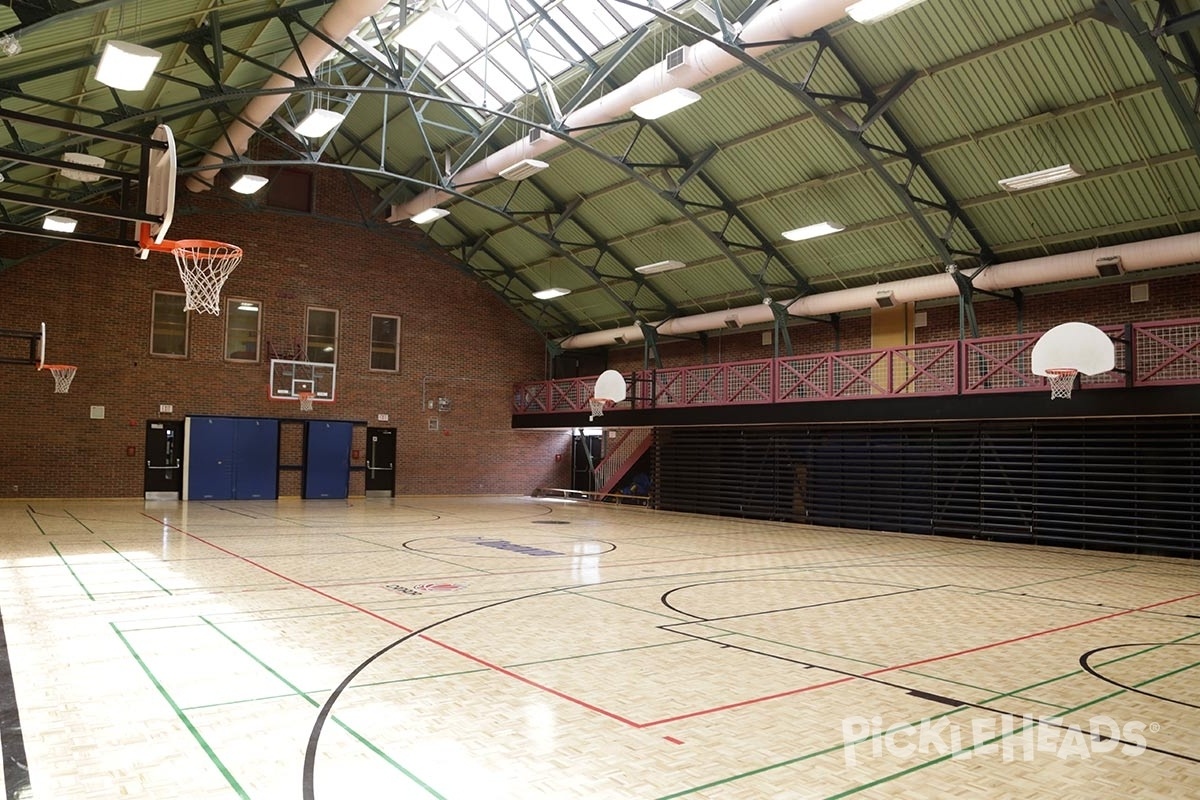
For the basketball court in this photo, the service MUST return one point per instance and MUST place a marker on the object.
(526, 648)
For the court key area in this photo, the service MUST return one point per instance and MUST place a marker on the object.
(506, 648)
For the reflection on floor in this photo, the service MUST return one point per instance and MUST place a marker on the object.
(495, 648)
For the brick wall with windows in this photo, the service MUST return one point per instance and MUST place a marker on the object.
(457, 341)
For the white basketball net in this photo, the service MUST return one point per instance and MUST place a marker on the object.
(1061, 382)
(203, 268)
(306, 401)
(597, 404)
(63, 375)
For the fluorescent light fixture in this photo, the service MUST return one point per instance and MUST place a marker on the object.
(663, 104)
(550, 294)
(319, 122)
(427, 29)
(248, 184)
(429, 215)
(1031, 180)
(659, 266)
(875, 10)
(126, 66)
(60, 224)
(885, 298)
(523, 169)
(83, 176)
(244, 306)
(813, 231)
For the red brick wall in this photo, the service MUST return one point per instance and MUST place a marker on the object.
(457, 340)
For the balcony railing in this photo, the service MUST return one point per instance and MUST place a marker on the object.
(1157, 354)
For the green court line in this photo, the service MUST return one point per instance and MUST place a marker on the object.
(73, 575)
(77, 519)
(135, 566)
(1058, 579)
(844, 744)
(301, 693)
(187, 723)
(33, 519)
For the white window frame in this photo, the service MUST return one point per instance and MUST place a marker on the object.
(395, 344)
(187, 318)
(308, 335)
(230, 307)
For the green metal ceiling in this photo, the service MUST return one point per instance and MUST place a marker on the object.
(898, 130)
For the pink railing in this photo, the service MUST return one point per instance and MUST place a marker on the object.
(1163, 353)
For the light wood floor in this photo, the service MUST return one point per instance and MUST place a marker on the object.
(512, 648)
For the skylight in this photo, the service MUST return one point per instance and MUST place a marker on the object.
(481, 60)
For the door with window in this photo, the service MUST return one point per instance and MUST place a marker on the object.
(381, 462)
(164, 459)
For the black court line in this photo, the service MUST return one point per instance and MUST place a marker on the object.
(12, 739)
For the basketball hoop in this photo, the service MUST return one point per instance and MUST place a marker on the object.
(306, 401)
(597, 406)
(63, 375)
(204, 266)
(1062, 380)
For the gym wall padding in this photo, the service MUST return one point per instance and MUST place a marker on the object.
(232, 458)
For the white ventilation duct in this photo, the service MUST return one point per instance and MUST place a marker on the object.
(342, 19)
(777, 22)
(1153, 254)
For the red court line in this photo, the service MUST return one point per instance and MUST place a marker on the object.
(700, 712)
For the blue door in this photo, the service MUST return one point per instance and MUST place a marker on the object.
(327, 460)
(210, 458)
(256, 459)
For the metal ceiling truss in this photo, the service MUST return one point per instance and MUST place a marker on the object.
(1169, 69)
(832, 110)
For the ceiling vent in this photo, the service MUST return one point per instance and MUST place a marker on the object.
(534, 135)
(676, 58)
(1109, 266)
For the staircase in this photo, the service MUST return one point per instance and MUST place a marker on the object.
(620, 454)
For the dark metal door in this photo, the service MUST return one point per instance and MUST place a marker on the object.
(164, 459)
(586, 453)
(381, 462)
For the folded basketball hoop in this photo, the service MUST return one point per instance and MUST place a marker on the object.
(63, 375)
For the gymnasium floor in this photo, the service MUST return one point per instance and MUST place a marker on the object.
(495, 648)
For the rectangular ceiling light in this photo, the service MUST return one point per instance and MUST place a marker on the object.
(126, 66)
(659, 266)
(875, 10)
(249, 184)
(523, 169)
(550, 294)
(60, 224)
(663, 104)
(813, 231)
(1031, 180)
(429, 215)
(427, 29)
(319, 122)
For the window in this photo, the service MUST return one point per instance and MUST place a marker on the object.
(322, 335)
(385, 343)
(242, 325)
(168, 325)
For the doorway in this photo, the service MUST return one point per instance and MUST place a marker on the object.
(381, 462)
(164, 459)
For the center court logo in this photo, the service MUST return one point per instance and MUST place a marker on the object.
(1011, 738)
